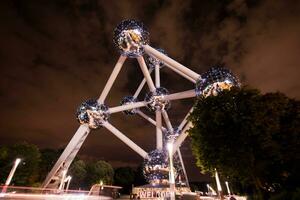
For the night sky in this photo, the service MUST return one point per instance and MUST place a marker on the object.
(56, 54)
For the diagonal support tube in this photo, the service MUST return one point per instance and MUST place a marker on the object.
(180, 73)
(139, 89)
(181, 95)
(112, 79)
(127, 107)
(184, 121)
(167, 120)
(183, 168)
(182, 136)
(149, 119)
(146, 73)
(125, 139)
(68, 154)
(171, 62)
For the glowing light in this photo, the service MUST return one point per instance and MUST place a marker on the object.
(12, 172)
(218, 181)
(227, 186)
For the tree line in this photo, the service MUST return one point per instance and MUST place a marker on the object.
(252, 139)
(36, 164)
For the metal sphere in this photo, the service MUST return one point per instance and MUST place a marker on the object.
(92, 113)
(171, 135)
(129, 100)
(129, 38)
(214, 81)
(156, 100)
(152, 61)
(156, 167)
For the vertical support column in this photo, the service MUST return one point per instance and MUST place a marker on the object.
(159, 137)
(157, 76)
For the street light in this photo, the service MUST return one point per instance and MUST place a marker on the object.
(11, 174)
(218, 184)
(64, 173)
(68, 179)
(171, 173)
(12, 171)
(227, 186)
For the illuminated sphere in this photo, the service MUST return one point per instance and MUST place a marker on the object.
(156, 100)
(156, 167)
(129, 100)
(152, 61)
(92, 113)
(214, 81)
(129, 38)
(171, 136)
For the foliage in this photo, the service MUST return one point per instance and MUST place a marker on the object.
(27, 172)
(124, 176)
(36, 164)
(48, 159)
(99, 171)
(139, 178)
(79, 172)
(249, 137)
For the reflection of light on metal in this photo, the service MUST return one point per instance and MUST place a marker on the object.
(227, 186)
(129, 100)
(12, 172)
(92, 113)
(214, 81)
(155, 167)
(156, 99)
(152, 61)
(129, 38)
(171, 173)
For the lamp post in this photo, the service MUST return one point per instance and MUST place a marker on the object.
(227, 186)
(171, 173)
(68, 183)
(64, 173)
(218, 185)
(12, 171)
(11, 174)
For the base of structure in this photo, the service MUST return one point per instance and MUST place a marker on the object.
(157, 191)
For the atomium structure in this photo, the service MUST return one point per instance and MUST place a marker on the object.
(132, 40)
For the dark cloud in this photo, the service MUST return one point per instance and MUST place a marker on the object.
(56, 54)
